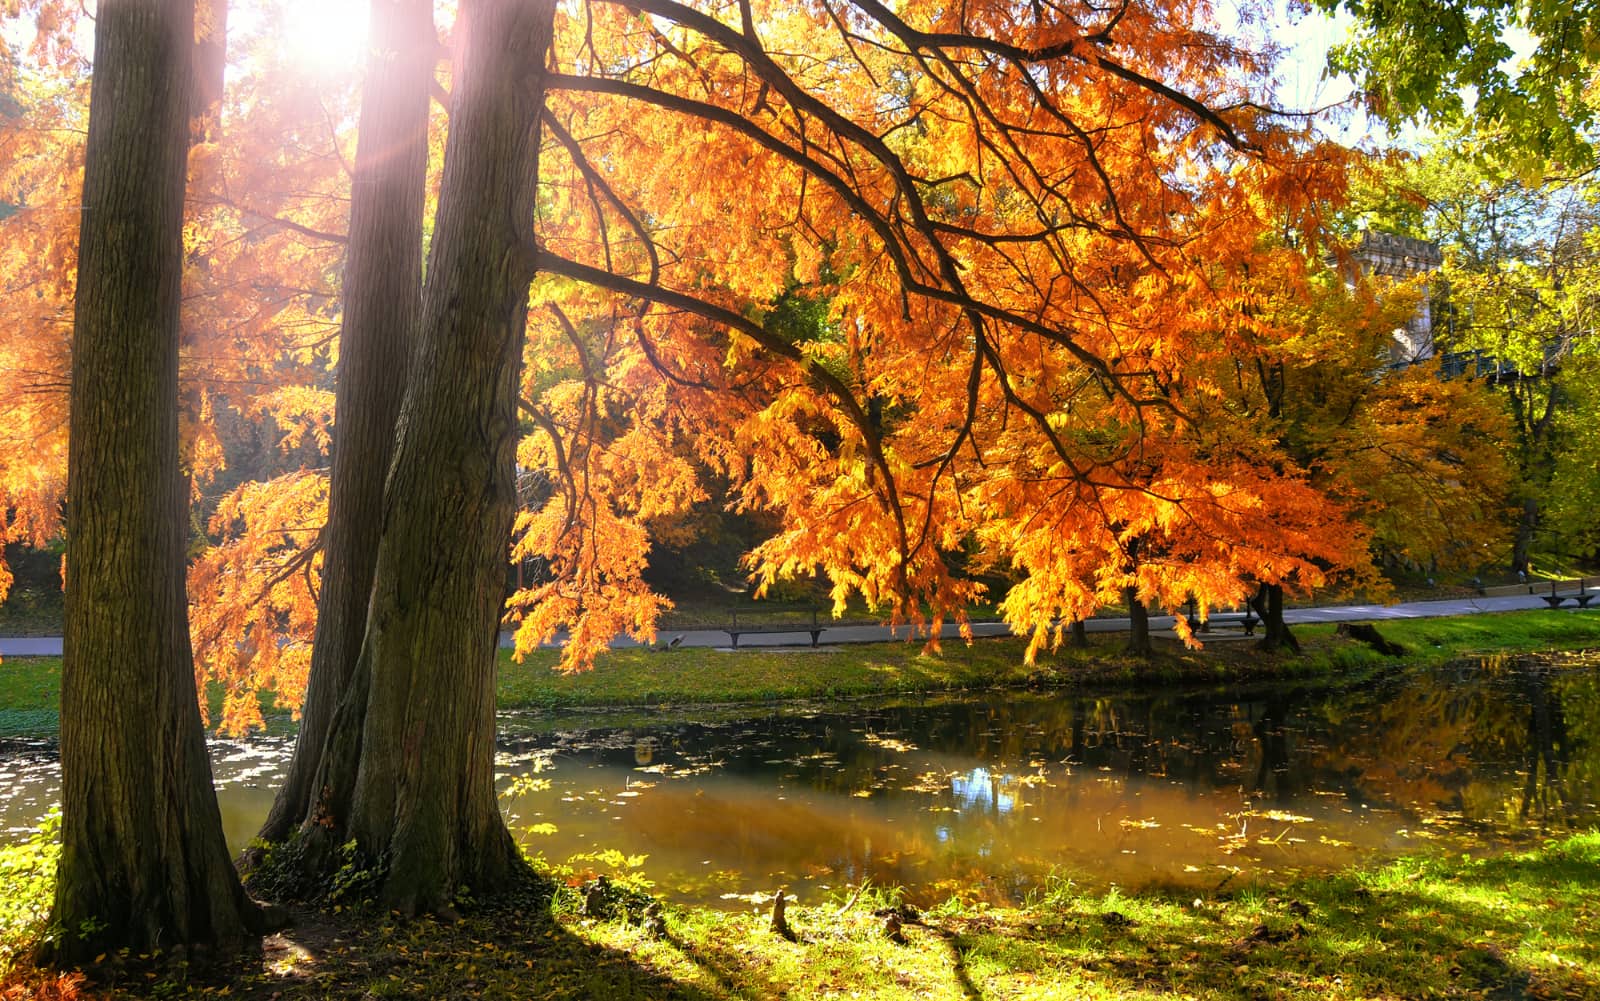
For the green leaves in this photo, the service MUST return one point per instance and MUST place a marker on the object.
(1520, 72)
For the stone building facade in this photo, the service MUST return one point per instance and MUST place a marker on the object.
(1402, 257)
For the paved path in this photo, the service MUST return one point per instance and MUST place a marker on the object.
(836, 635)
(30, 646)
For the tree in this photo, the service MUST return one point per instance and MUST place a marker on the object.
(1453, 65)
(267, 199)
(1016, 290)
(409, 770)
(143, 861)
(1522, 280)
(1032, 228)
(1413, 458)
(383, 284)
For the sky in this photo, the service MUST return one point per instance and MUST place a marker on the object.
(1304, 83)
(326, 36)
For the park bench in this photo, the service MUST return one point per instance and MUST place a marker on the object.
(1246, 620)
(1581, 597)
(736, 629)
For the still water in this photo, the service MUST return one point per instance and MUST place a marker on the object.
(987, 795)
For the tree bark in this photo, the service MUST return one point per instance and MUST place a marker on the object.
(210, 70)
(143, 859)
(1527, 527)
(1138, 623)
(1275, 634)
(382, 299)
(421, 797)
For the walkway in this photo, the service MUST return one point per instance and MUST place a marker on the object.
(48, 646)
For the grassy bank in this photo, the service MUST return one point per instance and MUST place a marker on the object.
(641, 677)
(1514, 926)
(29, 686)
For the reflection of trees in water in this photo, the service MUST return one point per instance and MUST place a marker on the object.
(1545, 759)
(1201, 741)
(1502, 741)
(1535, 757)
(1505, 740)
(1275, 778)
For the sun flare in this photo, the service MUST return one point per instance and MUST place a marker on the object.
(326, 35)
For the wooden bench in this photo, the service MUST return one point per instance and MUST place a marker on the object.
(735, 630)
(1581, 597)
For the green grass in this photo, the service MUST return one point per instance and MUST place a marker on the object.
(1415, 929)
(646, 678)
(1510, 926)
(29, 686)
(30, 692)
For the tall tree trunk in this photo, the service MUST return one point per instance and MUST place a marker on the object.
(1275, 634)
(210, 70)
(1138, 623)
(421, 795)
(382, 297)
(1522, 542)
(143, 859)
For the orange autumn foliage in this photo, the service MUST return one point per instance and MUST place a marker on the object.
(41, 165)
(266, 204)
(28, 984)
(1032, 252)
(1040, 242)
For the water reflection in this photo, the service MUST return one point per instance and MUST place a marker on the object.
(986, 796)
(1547, 749)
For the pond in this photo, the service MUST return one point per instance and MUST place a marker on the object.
(987, 795)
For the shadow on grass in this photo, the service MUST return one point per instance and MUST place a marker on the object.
(958, 965)
(493, 953)
(1509, 927)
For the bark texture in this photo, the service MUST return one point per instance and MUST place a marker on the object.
(382, 299)
(422, 799)
(1275, 633)
(143, 860)
(1138, 623)
(1522, 543)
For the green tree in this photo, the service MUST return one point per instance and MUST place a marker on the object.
(1521, 276)
(1453, 64)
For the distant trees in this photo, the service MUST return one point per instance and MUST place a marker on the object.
(1457, 66)
(1508, 191)
(1520, 293)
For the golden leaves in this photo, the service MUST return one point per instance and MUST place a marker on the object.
(254, 595)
